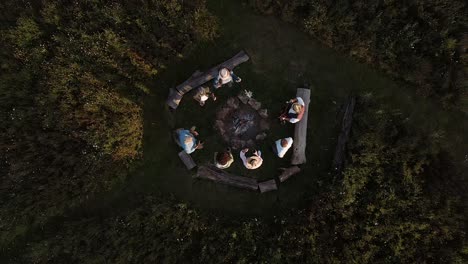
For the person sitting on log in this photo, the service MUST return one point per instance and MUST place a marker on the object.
(225, 76)
(187, 141)
(202, 95)
(252, 162)
(224, 159)
(282, 146)
(294, 111)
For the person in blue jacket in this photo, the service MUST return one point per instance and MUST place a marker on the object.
(187, 140)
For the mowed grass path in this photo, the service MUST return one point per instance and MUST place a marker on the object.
(282, 59)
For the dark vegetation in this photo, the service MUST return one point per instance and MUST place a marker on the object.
(73, 78)
(382, 210)
(422, 43)
(71, 95)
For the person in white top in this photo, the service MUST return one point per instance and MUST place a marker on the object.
(282, 146)
(225, 76)
(294, 110)
(202, 95)
(252, 162)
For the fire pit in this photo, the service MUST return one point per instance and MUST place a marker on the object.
(241, 121)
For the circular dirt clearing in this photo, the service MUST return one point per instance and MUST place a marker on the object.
(240, 124)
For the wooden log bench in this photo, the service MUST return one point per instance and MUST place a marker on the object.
(267, 186)
(176, 94)
(217, 175)
(339, 157)
(300, 130)
(187, 160)
(287, 173)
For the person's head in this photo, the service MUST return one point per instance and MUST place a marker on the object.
(297, 108)
(224, 72)
(284, 143)
(223, 157)
(252, 161)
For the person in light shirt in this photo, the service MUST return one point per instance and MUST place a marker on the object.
(294, 111)
(225, 76)
(252, 162)
(282, 146)
(202, 95)
(203, 99)
(187, 141)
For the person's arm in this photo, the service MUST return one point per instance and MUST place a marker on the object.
(193, 132)
(258, 153)
(292, 120)
(243, 158)
(216, 81)
(235, 77)
(199, 145)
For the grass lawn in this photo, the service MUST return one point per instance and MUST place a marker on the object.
(282, 59)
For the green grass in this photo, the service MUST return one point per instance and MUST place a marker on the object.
(282, 59)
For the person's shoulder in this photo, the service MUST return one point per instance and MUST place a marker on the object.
(300, 100)
(301, 114)
(182, 133)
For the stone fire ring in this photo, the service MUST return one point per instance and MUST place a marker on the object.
(242, 121)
